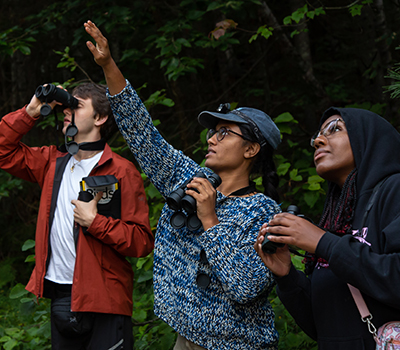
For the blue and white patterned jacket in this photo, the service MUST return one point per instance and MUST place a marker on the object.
(233, 311)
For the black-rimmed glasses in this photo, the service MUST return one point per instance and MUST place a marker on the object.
(328, 130)
(221, 133)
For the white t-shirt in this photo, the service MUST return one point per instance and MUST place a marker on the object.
(63, 254)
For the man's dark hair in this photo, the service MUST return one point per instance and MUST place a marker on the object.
(101, 106)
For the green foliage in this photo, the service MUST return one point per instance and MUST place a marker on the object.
(14, 39)
(263, 31)
(158, 98)
(301, 14)
(394, 74)
(8, 183)
(299, 184)
(25, 324)
(186, 44)
(355, 10)
(7, 272)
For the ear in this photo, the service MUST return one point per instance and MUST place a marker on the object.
(252, 150)
(99, 120)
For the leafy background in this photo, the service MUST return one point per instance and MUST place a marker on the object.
(292, 59)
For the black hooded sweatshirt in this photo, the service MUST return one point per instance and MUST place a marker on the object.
(369, 259)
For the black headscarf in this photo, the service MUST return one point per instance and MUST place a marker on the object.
(375, 144)
(376, 149)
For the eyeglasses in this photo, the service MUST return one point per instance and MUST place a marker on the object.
(328, 130)
(221, 133)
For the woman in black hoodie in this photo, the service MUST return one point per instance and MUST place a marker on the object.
(355, 150)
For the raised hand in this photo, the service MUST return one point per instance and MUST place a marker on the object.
(33, 108)
(102, 56)
(101, 52)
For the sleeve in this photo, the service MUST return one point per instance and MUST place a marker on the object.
(27, 163)
(372, 268)
(165, 166)
(131, 235)
(294, 290)
(376, 275)
(229, 247)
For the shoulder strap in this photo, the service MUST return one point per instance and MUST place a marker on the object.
(362, 307)
(356, 294)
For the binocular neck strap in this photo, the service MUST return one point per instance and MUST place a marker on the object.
(87, 146)
(245, 190)
(92, 146)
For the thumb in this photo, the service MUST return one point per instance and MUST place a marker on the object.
(98, 196)
(91, 47)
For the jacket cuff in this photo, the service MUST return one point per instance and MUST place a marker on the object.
(119, 97)
(96, 225)
(28, 115)
(287, 282)
(19, 121)
(326, 245)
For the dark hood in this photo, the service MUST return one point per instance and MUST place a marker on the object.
(375, 144)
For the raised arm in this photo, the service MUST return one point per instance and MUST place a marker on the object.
(102, 56)
(17, 158)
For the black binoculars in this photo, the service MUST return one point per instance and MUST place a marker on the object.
(179, 200)
(270, 247)
(50, 93)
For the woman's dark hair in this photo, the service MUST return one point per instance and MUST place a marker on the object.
(263, 165)
(338, 213)
(100, 103)
(340, 205)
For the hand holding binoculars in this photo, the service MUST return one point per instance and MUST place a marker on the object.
(50, 92)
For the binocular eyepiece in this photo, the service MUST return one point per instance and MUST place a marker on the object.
(270, 247)
(179, 200)
(50, 93)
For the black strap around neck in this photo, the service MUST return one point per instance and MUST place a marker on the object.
(245, 190)
(87, 146)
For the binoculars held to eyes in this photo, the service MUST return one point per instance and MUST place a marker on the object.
(270, 247)
(49, 93)
(179, 200)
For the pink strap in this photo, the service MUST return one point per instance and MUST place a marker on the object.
(359, 300)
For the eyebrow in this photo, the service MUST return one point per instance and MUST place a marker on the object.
(81, 101)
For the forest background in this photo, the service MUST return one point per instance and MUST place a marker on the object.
(292, 59)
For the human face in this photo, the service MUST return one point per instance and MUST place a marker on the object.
(333, 156)
(221, 133)
(86, 121)
(229, 153)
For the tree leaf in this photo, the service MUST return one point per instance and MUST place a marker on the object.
(28, 244)
(18, 291)
(213, 6)
(285, 118)
(30, 258)
(311, 198)
(283, 169)
(24, 49)
(10, 344)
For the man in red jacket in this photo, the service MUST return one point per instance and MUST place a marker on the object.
(81, 245)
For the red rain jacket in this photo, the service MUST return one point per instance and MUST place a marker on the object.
(103, 278)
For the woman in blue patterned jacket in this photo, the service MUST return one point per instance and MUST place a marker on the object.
(209, 283)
